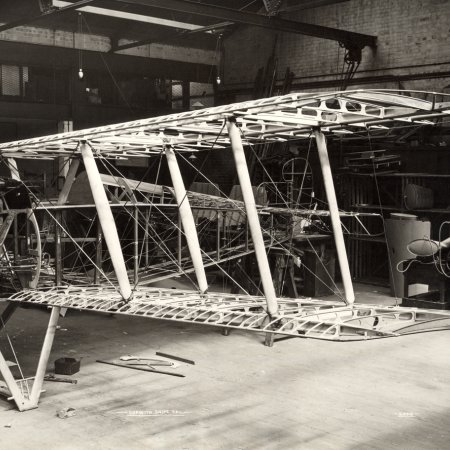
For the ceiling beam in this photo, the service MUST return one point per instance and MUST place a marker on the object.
(123, 14)
(348, 38)
(169, 36)
(39, 55)
(44, 15)
(309, 5)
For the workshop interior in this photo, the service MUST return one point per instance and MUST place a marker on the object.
(224, 224)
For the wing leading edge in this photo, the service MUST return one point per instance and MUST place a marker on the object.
(305, 318)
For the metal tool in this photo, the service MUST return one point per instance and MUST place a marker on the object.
(149, 361)
(51, 377)
(145, 369)
(176, 358)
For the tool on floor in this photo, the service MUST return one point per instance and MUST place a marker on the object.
(51, 377)
(149, 369)
(66, 412)
(176, 358)
(148, 361)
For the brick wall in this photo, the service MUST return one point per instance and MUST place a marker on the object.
(413, 46)
(88, 41)
(247, 50)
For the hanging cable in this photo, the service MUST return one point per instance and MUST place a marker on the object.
(352, 60)
(391, 269)
(80, 50)
(113, 78)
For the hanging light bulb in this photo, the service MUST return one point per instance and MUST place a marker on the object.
(218, 59)
(80, 51)
(192, 157)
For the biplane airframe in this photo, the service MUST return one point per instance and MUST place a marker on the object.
(106, 255)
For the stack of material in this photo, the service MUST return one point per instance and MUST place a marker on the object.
(372, 160)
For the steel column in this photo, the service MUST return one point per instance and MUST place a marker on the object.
(106, 220)
(252, 217)
(335, 218)
(187, 219)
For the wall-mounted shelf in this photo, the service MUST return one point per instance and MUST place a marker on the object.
(384, 193)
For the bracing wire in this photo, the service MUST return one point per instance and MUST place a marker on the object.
(14, 354)
(113, 78)
(289, 248)
(57, 223)
(391, 269)
(109, 167)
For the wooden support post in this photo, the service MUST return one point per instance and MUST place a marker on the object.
(272, 232)
(58, 250)
(186, 95)
(252, 217)
(246, 236)
(24, 399)
(16, 240)
(45, 354)
(31, 219)
(187, 219)
(98, 252)
(136, 246)
(219, 233)
(12, 163)
(147, 219)
(335, 218)
(106, 220)
(179, 239)
(68, 183)
(269, 339)
(28, 231)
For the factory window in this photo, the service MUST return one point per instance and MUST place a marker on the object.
(24, 78)
(199, 95)
(177, 94)
(11, 80)
(35, 84)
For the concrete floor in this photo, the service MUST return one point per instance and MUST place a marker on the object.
(300, 394)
